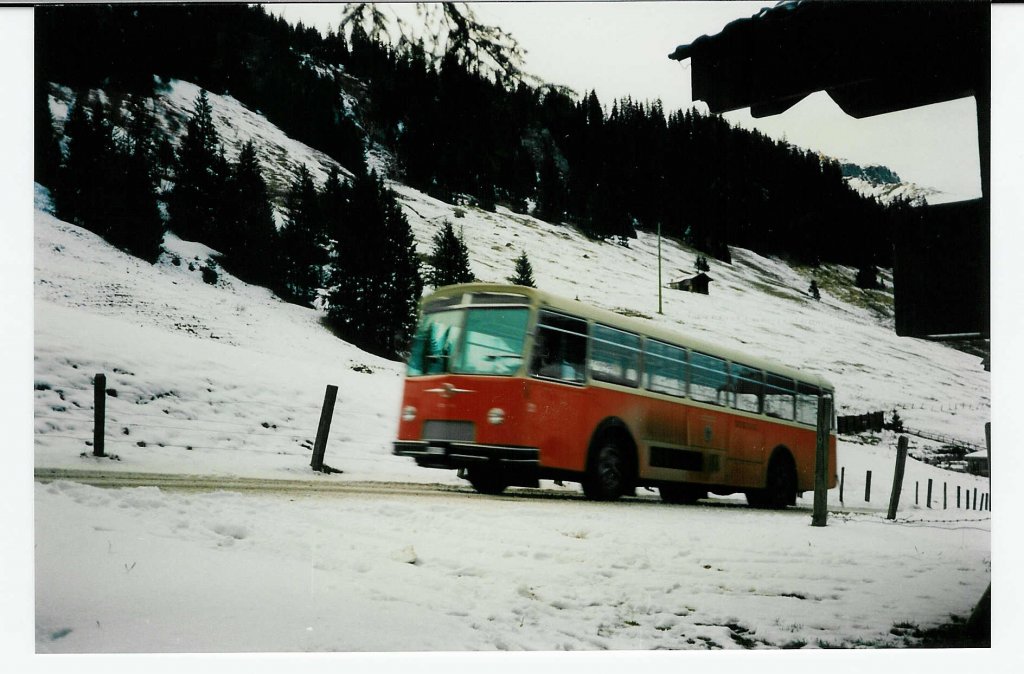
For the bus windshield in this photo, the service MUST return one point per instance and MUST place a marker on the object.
(485, 340)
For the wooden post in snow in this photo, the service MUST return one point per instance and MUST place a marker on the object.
(929, 492)
(324, 429)
(99, 397)
(867, 487)
(842, 482)
(820, 516)
(897, 477)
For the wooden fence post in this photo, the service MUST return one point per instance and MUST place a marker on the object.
(99, 390)
(867, 487)
(958, 497)
(929, 492)
(945, 501)
(842, 482)
(324, 429)
(917, 492)
(975, 498)
(897, 476)
(819, 518)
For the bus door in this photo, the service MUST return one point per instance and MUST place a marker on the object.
(746, 439)
(556, 403)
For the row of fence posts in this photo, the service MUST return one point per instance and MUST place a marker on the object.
(319, 445)
(821, 471)
(979, 501)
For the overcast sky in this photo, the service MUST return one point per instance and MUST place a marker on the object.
(621, 48)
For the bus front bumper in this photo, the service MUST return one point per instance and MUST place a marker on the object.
(451, 454)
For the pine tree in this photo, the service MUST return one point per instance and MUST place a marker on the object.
(551, 201)
(193, 205)
(449, 259)
(375, 285)
(90, 147)
(334, 207)
(524, 273)
(813, 290)
(137, 225)
(47, 150)
(302, 242)
(107, 185)
(867, 277)
(405, 286)
(897, 422)
(250, 235)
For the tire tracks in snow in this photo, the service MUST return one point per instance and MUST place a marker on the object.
(332, 486)
(187, 482)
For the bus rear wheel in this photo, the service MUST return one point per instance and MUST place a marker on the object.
(608, 475)
(780, 485)
(487, 480)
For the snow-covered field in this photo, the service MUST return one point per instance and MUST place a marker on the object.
(228, 380)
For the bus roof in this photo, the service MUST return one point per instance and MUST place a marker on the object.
(577, 308)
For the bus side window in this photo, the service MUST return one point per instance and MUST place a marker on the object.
(615, 356)
(709, 379)
(807, 404)
(559, 348)
(780, 397)
(665, 368)
(748, 385)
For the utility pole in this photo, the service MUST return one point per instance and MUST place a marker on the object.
(659, 267)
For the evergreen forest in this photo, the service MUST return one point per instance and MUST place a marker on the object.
(455, 131)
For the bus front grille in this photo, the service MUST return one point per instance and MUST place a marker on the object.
(458, 431)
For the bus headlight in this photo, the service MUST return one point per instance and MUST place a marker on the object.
(408, 413)
(496, 416)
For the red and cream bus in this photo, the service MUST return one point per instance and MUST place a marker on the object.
(511, 385)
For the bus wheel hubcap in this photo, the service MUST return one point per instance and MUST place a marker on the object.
(611, 468)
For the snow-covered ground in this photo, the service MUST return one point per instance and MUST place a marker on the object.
(228, 380)
(130, 570)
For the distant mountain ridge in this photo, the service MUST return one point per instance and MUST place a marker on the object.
(884, 184)
(874, 173)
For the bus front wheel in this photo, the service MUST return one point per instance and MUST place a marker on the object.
(487, 480)
(608, 475)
